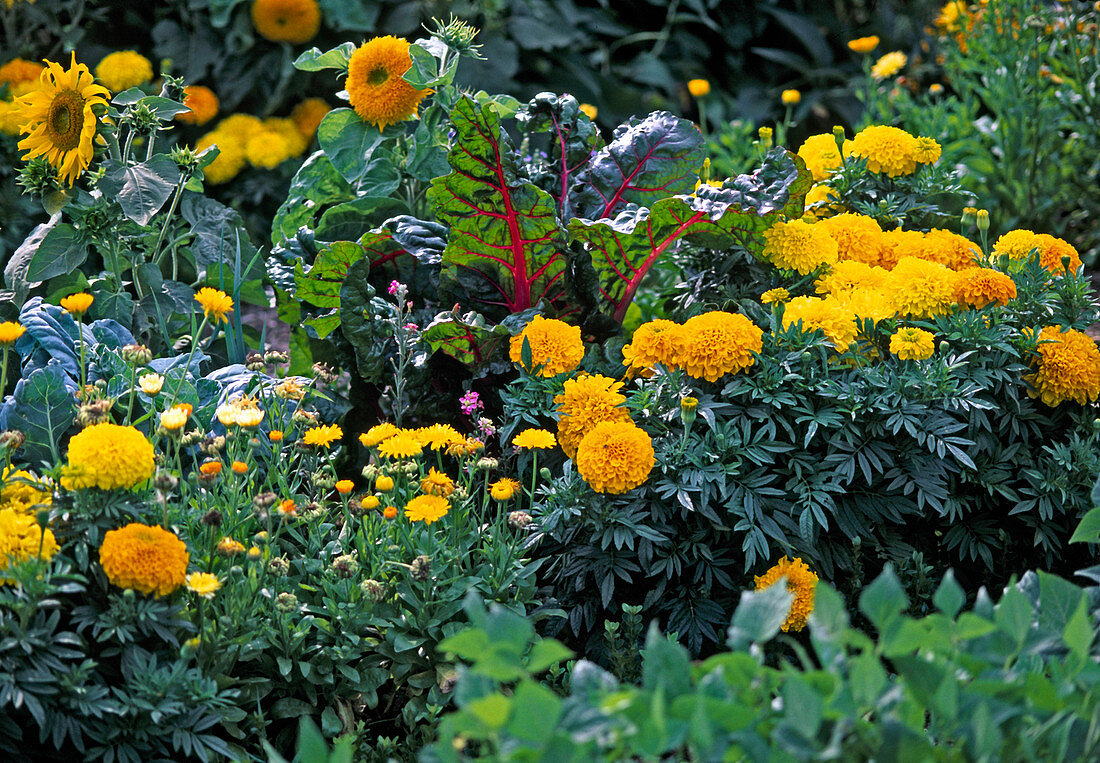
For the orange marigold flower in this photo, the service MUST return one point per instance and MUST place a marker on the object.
(293, 21)
(148, 559)
(203, 105)
(556, 347)
(978, 287)
(1068, 367)
(615, 457)
(801, 582)
(713, 344)
(585, 402)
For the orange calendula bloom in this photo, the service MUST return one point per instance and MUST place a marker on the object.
(343, 487)
(211, 468)
(77, 304)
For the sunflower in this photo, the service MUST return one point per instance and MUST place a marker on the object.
(375, 86)
(59, 119)
(203, 105)
(293, 21)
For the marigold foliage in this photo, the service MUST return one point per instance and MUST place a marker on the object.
(375, 86)
(978, 287)
(821, 154)
(585, 402)
(912, 344)
(555, 346)
(123, 69)
(20, 538)
(293, 21)
(923, 289)
(108, 457)
(799, 246)
(801, 582)
(427, 509)
(713, 344)
(144, 558)
(615, 457)
(1068, 367)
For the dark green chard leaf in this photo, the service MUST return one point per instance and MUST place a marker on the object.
(572, 139)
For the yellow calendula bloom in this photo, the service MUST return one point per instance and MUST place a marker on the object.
(10, 331)
(205, 584)
(821, 154)
(534, 439)
(886, 149)
(124, 69)
(322, 436)
(203, 105)
(889, 65)
(292, 21)
(978, 287)
(439, 436)
(801, 582)
(151, 384)
(912, 344)
(923, 289)
(108, 457)
(437, 483)
(714, 344)
(402, 445)
(59, 119)
(427, 509)
(377, 434)
(799, 246)
(344, 487)
(585, 402)
(1068, 367)
(555, 346)
(503, 489)
(863, 44)
(77, 304)
(699, 87)
(835, 319)
(375, 84)
(383, 484)
(175, 418)
(144, 558)
(21, 537)
(790, 97)
(615, 457)
(589, 110)
(216, 304)
(231, 547)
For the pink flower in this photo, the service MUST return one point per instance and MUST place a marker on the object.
(394, 286)
(470, 403)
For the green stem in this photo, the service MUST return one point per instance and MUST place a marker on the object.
(156, 257)
(183, 376)
(4, 371)
(133, 394)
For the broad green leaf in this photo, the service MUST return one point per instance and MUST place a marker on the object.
(354, 17)
(352, 219)
(349, 142)
(217, 230)
(366, 321)
(466, 337)
(320, 286)
(316, 186)
(665, 664)
(469, 644)
(492, 710)
(1014, 614)
(504, 251)
(141, 189)
(43, 407)
(883, 599)
(535, 712)
(407, 250)
(313, 60)
(1089, 529)
(62, 250)
(1058, 600)
(651, 159)
(427, 57)
(547, 653)
(1078, 633)
(759, 615)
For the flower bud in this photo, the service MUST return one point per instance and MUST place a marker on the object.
(278, 565)
(421, 568)
(983, 219)
(286, 602)
(519, 520)
(373, 590)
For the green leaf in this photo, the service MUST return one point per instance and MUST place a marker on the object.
(331, 725)
(1088, 531)
(313, 60)
(311, 743)
(467, 338)
(547, 653)
(535, 712)
(407, 250)
(492, 710)
(366, 322)
(1078, 633)
(43, 408)
(1058, 600)
(573, 138)
(62, 250)
(759, 615)
(315, 187)
(141, 189)
(352, 219)
(505, 249)
(349, 142)
(665, 664)
(949, 597)
(469, 644)
(320, 286)
(883, 599)
(354, 17)
(217, 230)
(1014, 614)
(289, 707)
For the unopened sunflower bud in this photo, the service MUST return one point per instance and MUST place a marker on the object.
(286, 602)
(136, 354)
(345, 566)
(421, 568)
(519, 520)
(373, 590)
(278, 565)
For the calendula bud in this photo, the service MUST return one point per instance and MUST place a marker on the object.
(278, 565)
(344, 566)
(274, 356)
(12, 440)
(286, 602)
(373, 590)
(421, 568)
(136, 354)
(212, 518)
(487, 464)
(264, 500)
(518, 520)
(983, 219)
(254, 361)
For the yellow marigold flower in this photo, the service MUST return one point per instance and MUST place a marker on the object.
(797, 245)
(821, 202)
(383, 484)
(901, 243)
(22, 492)
(503, 489)
(215, 304)
(850, 276)
(402, 445)
(144, 558)
(10, 331)
(556, 347)
(801, 582)
(229, 547)
(835, 320)
(876, 304)
(790, 97)
(978, 287)
(950, 249)
(205, 584)
(699, 87)
(10, 118)
(857, 237)
(307, 115)
(344, 487)
(923, 289)
(886, 149)
(437, 483)
(203, 105)
(375, 86)
(59, 119)
(912, 344)
(439, 436)
(713, 344)
(19, 70)
(653, 342)
(77, 304)
(175, 418)
(889, 65)
(293, 21)
(863, 44)
(534, 438)
(427, 509)
(322, 436)
(240, 127)
(267, 150)
(151, 384)
(616, 456)
(821, 155)
(773, 296)
(286, 128)
(20, 538)
(123, 69)
(377, 434)
(108, 457)
(589, 110)
(370, 502)
(1068, 367)
(928, 151)
(585, 402)
(230, 161)
(1017, 244)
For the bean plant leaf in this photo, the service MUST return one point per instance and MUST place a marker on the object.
(656, 157)
(759, 615)
(572, 139)
(504, 253)
(1089, 529)
(625, 249)
(140, 189)
(320, 286)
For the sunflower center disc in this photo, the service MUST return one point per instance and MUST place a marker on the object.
(66, 120)
(378, 76)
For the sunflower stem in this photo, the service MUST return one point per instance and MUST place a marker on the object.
(157, 255)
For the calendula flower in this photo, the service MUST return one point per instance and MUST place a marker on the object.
(322, 436)
(556, 347)
(439, 436)
(912, 344)
(383, 484)
(77, 304)
(830, 315)
(216, 304)
(275, 435)
(534, 439)
(863, 44)
(239, 467)
(699, 87)
(978, 287)
(1068, 367)
(584, 403)
(615, 457)
(797, 245)
(889, 65)
(205, 584)
(790, 97)
(402, 445)
(203, 105)
(375, 84)
(175, 418)
(287, 509)
(437, 483)
(426, 509)
(288, 389)
(249, 418)
(801, 582)
(773, 296)
(714, 344)
(377, 434)
(59, 118)
(229, 547)
(344, 487)
(10, 331)
(211, 468)
(144, 558)
(821, 154)
(390, 512)
(151, 384)
(108, 457)
(292, 21)
(123, 69)
(503, 489)
(589, 110)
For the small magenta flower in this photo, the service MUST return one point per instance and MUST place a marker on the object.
(411, 327)
(470, 403)
(394, 286)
